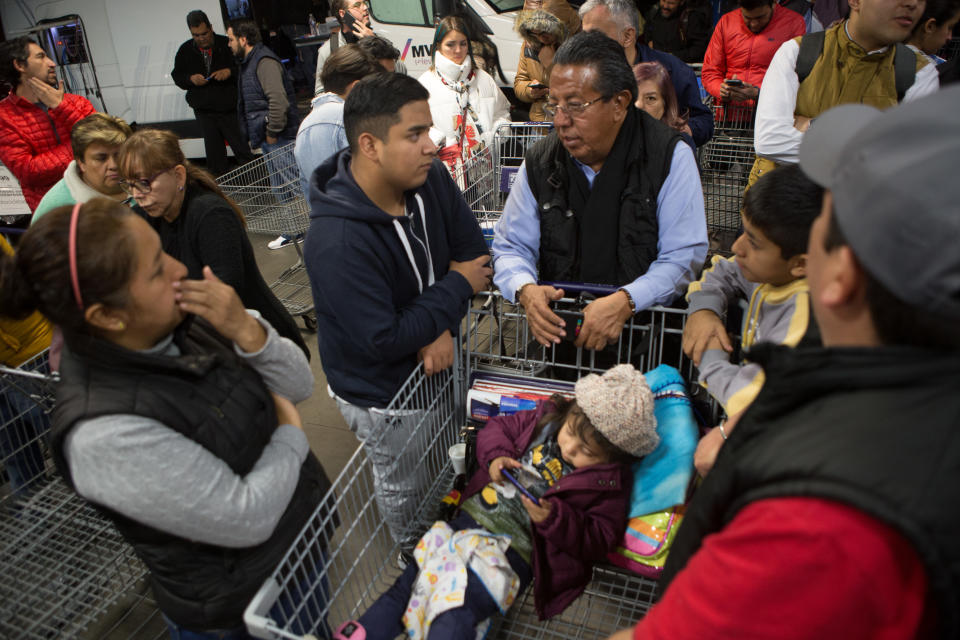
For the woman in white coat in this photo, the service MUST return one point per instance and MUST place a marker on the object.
(466, 104)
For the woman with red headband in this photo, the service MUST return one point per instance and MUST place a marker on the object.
(174, 411)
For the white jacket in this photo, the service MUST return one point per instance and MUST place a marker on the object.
(483, 95)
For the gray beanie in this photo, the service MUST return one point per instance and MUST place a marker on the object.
(620, 405)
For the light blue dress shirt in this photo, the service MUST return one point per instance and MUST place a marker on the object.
(681, 245)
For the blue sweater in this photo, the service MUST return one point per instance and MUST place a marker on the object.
(371, 317)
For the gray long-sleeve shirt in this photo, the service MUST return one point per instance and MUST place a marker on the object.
(154, 475)
(270, 74)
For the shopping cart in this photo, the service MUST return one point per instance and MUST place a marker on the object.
(269, 191)
(64, 565)
(361, 556)
(725, 163)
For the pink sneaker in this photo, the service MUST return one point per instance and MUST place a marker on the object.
(350, 630)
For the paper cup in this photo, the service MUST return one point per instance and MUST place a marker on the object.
(458, 457)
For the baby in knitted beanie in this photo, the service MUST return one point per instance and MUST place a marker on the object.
(572, 458)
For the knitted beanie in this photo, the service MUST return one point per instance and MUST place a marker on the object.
(620, 405)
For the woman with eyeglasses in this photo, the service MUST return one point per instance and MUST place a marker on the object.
(198, 224)
(174, 412)
(466, 104)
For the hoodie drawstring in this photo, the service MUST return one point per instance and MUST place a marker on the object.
(426, 245)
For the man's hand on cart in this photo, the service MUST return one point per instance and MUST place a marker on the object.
(603, 321)
(537, 512)
(547, 327)
(219, 304)
(501, 463)
(477, 272)
(286, 412)
(438, 355)
(702, 327)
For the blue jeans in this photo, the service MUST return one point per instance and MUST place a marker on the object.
(383, 620)
(282, 167)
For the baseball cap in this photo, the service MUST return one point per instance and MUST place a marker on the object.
(895, 179)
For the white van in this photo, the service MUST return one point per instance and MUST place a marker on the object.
(409, 25)
(118, 54)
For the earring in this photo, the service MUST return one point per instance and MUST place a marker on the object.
(122, 326)
(180, 188)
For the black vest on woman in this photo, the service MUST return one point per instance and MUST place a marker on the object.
(210, 395)
(609, 237)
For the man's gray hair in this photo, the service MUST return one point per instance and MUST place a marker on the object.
(623, 12)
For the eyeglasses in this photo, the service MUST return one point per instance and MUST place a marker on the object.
(143, 185)
(570, 110)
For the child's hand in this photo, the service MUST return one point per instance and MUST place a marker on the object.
(503, 462)
(701, 327)
(538, 513)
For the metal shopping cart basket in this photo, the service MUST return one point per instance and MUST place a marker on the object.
(357, 563)
(64, 565)
(725, 163)
(269, 192)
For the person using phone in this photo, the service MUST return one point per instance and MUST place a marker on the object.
(542, 33)
(567, 516)
(353, 17)
(36, 118)
(742, 45)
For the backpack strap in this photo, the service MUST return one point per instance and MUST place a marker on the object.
(904, 69)
(811, 48)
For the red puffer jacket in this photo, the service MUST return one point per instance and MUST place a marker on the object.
(35, 144)
(734, 49)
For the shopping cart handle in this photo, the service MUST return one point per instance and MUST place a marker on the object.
(576, 288)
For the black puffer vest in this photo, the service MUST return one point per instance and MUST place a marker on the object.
(651, 152)
(253, 106)
(211, 396)
(876, 429)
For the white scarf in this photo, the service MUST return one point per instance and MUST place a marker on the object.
(453, 75)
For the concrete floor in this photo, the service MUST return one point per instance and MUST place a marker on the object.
(329, 437)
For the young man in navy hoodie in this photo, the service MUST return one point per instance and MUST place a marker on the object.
(394, 255)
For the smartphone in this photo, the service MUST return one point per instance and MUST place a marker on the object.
(733, 83)
(516, 483)
(537, 85)
(348, 22)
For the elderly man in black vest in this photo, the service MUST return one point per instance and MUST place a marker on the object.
(831, 509)
(609, 197)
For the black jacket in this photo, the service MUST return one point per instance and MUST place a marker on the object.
(211, 396)
(371, 317)
(875, 429)
(216, 95)
(685, 34)
(208, 233)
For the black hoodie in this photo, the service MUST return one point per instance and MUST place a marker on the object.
(372, 318)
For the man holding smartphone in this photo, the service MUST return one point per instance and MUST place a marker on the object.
(742, 45)
(205, 68)
(354, 19)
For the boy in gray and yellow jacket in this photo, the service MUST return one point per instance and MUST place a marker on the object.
(768, 270)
